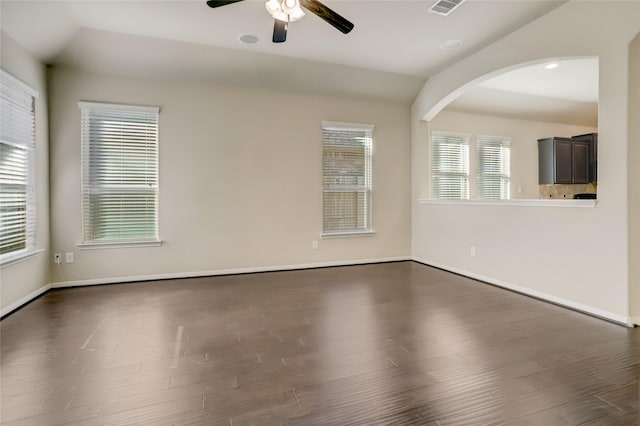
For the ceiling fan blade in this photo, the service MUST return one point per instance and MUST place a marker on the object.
(218, 3)
(280, 31)
(317, 8)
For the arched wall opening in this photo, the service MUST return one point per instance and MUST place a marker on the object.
(578, 257)
(519, 104)
(479, 81)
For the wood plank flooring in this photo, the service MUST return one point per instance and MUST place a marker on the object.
(394, 343)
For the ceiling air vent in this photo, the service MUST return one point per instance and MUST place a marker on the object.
(445, 7)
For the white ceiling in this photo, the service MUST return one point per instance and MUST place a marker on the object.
(567, 94)
(393, 49)
(573, 79)
(398, 36)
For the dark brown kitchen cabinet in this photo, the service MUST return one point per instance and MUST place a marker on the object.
(592, 139)
(563, 160)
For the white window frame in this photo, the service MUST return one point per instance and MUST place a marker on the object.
(340, 137)
(141, 181)
(458, 169)
(18, 133)
(498, 166)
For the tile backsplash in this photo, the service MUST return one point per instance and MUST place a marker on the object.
(566, 191)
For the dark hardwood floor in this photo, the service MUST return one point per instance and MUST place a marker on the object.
(395, 343)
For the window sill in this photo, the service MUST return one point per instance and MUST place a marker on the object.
(556, 202)
(118, 244)
(18, 257)
(347, 234)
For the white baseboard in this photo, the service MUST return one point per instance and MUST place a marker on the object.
(627, 321)
(26, 299)
(114, 280)
(216, 272)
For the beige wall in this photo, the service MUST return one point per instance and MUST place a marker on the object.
(524, 147)
(634, 178)
(240, 178)
(18, 281)
(237, 165)
(574, 256)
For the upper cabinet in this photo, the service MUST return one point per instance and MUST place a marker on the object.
(592, 139)
(566, 160)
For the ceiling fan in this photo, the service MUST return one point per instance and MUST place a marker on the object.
(285, 11)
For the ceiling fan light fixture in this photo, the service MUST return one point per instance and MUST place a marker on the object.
(284, 10)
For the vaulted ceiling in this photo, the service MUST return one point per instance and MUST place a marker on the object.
(394, 47)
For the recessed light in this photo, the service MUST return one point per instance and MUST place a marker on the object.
(248, 39)
(552, 65)
(450, 44)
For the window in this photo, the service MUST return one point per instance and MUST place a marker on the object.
(449, 165)
(17, 168)
(494, 167)
(346, 177)
(119, 173)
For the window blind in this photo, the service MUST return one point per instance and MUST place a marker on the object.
(449, 165)
(17, 166)
(346, 177)
(493, 167)
(119, 172)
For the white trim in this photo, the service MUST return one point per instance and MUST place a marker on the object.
(118, 245)
(347, 234)
(337, 125)
(534, 293)
(26, 299)
(554, 202)
(12, 259)
(115, 280)
(629, 321)
(137, 108)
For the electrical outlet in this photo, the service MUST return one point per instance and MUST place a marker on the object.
(69, 257)
(472, 251)
(57, 258)
(314, 244)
